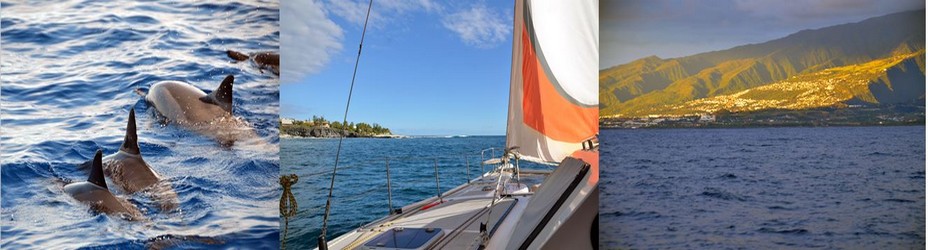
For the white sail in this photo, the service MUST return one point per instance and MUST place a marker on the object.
(553, 110)
(554, 95)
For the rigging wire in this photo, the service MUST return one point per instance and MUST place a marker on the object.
(328, 202)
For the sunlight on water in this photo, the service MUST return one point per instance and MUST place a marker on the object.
(70, 69)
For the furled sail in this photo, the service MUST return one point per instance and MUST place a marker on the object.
(553, 95)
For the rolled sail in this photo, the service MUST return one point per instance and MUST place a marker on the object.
(554, 96)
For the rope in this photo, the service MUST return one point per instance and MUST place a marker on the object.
(288, 205)
(328, 202)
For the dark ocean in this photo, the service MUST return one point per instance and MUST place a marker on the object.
(69, 69)
(763, 188)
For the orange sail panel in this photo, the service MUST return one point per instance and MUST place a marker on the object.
(546, 110)
(554, 101)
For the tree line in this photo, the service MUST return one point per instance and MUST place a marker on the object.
(360, 128)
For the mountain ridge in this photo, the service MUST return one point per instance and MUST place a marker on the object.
(884, 81)
(628, 89)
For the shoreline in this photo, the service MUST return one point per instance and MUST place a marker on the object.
(709, 126)
(289, 131)
(288, 136)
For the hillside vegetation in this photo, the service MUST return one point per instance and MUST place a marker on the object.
(891, 80)
(320, 127)
(652, 84)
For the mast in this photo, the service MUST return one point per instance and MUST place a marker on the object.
(322, 243)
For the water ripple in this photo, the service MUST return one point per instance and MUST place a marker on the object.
(763, 188)
(68, 80)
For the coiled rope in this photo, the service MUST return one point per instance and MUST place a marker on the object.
(288, 205)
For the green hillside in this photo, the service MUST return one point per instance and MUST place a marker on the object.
(636, 88)
(896, 79)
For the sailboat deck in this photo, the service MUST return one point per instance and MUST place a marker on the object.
(458, 214)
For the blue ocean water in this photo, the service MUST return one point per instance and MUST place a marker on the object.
(360, 194)
(763, 188)
(69, 69)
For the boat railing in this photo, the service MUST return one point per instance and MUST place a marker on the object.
(489, 152)
(445, 168)
(438, 164)
(488, 156)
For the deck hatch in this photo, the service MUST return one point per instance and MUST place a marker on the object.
(405, 238)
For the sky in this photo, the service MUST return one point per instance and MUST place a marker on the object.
(633, 29)
(427, 67)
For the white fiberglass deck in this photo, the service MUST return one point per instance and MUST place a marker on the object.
(458, 214)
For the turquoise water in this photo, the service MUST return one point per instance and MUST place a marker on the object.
(763, 188)
(69, 72)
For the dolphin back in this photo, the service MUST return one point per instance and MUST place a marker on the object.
(237, 56)
(95, 193)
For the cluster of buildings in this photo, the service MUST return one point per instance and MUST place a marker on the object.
(658, 121)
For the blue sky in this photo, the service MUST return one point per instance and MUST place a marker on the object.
(632, 29)
(427, 68)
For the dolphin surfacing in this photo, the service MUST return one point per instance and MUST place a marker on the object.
(132, 174)
(264, 60)
(183, 103)
(94, 192)
(191, 108)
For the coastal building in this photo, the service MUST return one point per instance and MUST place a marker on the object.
(286, 121)
(707, 118)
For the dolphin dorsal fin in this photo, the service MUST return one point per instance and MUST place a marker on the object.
(222, 96)
(96, 170)
(131, 143)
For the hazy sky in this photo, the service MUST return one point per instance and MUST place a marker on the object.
(632, 29)
(428, 67)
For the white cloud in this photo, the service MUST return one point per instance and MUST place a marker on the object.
(478, 26)
(383, 11)
(308, 37)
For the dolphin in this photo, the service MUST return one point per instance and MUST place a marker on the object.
(95, 193)
(131, 173)
(262, 59)
(191, 108)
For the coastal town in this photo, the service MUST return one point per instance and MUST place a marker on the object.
(850, 115)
